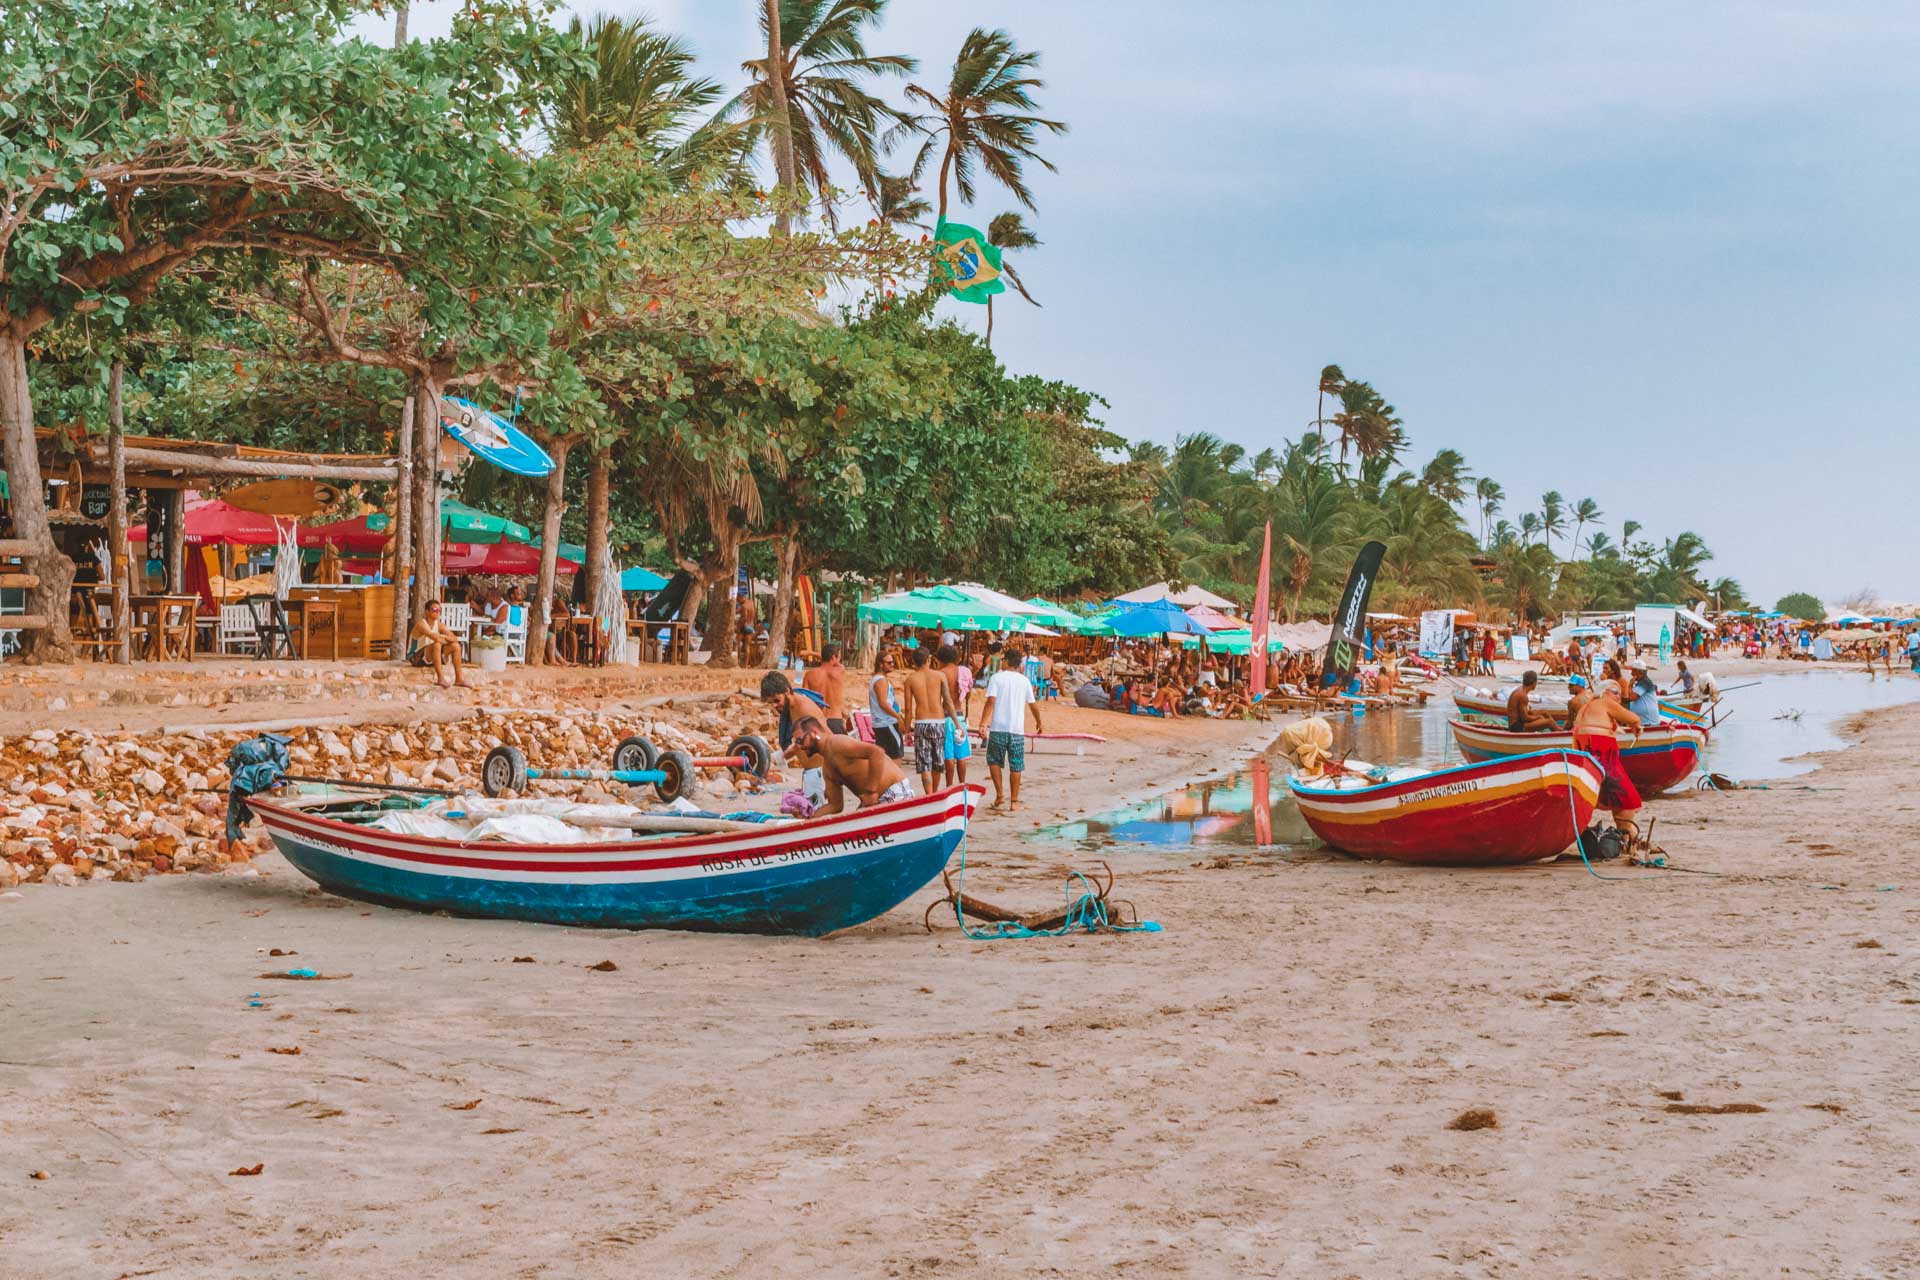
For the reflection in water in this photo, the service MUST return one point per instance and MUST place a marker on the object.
(1253, 809)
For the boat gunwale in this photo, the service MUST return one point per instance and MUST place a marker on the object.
(1295, 785)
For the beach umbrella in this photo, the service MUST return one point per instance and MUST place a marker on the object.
(508, 559)
(463, 523)
(1156, 617)
(1238, 643)
(210, 522)
(942, 608)
(1214, 620)
(638, 579)
(364, 534)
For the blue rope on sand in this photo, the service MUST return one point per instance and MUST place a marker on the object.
(1086, 913)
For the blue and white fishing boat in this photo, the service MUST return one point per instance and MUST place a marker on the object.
(805, 877)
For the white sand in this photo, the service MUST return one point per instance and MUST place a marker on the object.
(1262, 1089)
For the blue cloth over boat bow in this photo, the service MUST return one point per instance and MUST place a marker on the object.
(254, 766)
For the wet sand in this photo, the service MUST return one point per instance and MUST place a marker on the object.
(1265, 1088)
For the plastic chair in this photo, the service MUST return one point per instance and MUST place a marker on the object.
(1043, 688)
(514, 631)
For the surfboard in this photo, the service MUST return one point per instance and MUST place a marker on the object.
(493, 437)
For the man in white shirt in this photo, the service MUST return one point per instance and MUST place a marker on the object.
(1010, 701)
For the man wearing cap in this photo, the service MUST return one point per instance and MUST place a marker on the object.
(1645, 699)
(1521, 717)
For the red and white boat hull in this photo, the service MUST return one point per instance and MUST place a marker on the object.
(1518, 809)
(1658, 760)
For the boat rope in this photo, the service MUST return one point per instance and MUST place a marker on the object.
(1086, 913)
(1574, 814)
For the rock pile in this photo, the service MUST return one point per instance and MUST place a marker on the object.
(79, 806)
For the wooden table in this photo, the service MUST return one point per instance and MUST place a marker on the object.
(363, 616)
(676, 648)
(307, 609)
(577, 631)
(150, 618)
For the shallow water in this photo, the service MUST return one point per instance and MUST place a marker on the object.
(1762, 727)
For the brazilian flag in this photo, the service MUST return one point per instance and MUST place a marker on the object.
(963, 258)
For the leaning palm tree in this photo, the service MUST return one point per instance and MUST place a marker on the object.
(1585, 512)
(641, 81)
(1446, 476)
(1488, 493)
(814, 105)
(1332, 378)
(1529, 527)
(1600, 546)
(1009, 231)
(986, 117)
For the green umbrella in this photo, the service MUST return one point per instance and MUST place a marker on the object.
(940, 607)
(469, 524)
(1235, 642)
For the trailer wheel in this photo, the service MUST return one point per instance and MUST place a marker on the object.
(678, 768)
(634, 754)
(759, 755)
(505, 769)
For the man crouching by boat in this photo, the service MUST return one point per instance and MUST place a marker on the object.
(1593, 717)
(848, 764)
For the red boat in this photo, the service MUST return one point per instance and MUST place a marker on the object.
(1660, 758)
(1494, 706)
(1517, 809)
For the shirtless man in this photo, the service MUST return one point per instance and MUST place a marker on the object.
(1521, 717)
(958, 745)
(927, 704)
(828, 678)
(797, 708)
(1596, 720)
(848, 764)
(436, 645)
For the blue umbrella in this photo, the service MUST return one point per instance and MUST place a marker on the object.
(1155, 617)
(639, 579)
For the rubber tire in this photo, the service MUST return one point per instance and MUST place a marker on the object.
(678, 766)
(759, 755)
(632, 749)
(504, 769)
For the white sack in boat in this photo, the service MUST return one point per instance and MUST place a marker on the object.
(415, 822)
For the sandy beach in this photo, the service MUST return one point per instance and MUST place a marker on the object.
(1692, 1074)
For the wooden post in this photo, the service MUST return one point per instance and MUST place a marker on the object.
(542, 605)
(426, 490)
(401, 543)
(117, 558)
(598, 516)
(174, 552)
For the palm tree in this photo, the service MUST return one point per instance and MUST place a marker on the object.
(1503, 533)
(1264, 462)
(642, 83)
(1446, 476)
(987, 116)
(815, 104)
(1009, 231)
(1310, 528)
(1331, 380)
(1628, 529)
(1585, 512)
(1530, 527)
(1488, 493)
(1552, 515)
(897, 201)
(1600, 545)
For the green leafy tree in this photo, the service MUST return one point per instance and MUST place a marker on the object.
(1585, 512)
(1802, 604)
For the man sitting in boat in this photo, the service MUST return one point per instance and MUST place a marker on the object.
(848, 764)
(1596, 719)
(1645, 699)
(1521, 717)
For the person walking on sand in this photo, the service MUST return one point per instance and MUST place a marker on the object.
(927, 706)
(1010, 701)
(958, 746)
(437, 645)
(828, 678)
(1596, 725)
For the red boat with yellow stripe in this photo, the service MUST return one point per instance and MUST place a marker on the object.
(1657, 759)
(1517, 809)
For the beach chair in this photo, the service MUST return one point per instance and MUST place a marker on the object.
(235, 631)
(458, 618)
(514, 630)
(1043, 688)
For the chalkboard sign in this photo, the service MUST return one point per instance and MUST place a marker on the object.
(96, 500)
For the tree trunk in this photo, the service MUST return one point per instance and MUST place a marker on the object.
(782, 121)
(48, 600)
(400, 26)
(785, 585)
(719, 571)
(542, 605)
(401, 500)
(426, 497)
(117, 559)
(173, 554)
(946, 164)
(989, 323)
(598, 517)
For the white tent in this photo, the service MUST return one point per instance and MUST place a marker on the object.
(1186, 598)
(998, 599)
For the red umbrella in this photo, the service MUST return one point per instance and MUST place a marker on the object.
(213, 523)
(505, 558)
(363, 535)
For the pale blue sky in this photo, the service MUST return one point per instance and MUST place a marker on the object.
(1660, 255)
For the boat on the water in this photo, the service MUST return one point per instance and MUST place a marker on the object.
(1660, 758)
(802, 877)
(1517, 809)
(1487, 704)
